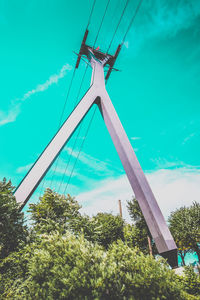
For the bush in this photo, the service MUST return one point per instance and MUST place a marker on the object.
(191, 281)
(69, 267)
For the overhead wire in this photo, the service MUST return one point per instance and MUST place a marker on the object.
(90, 16)
(79, 91)
(73, 75)
(71, 154)
(66, 100)
(129, 26)
(77, 136)
(105, 11)
(89, 20)
(120, 19)
(81, 147)
(60, 121)
(98, 32)
(131, 21)
(123, 40)
(69, 158)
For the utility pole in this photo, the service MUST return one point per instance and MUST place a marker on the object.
(120, 208)
(98, 95)
(149, 244)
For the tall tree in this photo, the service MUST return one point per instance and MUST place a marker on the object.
(143, 238)
(107, 229)
(12, 229)
(55, 212)
(61, 213)
(184, 224)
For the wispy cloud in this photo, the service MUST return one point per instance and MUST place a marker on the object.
(24, 168)
(164, 18)
(172, 189)
(175, 184)
(135, 138)
(189, 137)
(161, 163)
(52, 80)
(11, 115)
(96, 165)
(15, 107)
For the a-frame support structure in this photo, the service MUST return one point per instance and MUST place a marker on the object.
(97, 94)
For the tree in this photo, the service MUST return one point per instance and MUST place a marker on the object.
(12, 229)
(142, 233)
(184, 223)
(55, 212)
(107, 229)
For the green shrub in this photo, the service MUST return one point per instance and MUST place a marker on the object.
(191, 281)
(69, 267)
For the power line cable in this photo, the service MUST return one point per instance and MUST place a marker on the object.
(68, 92)
(60, 121)
(89, 20)
(79, 91)
(81, 147)
(62, 113)
(122, 14)
(69, 159)
(90, 16)
(83, 78)
(76, 139)
(101, 23)
(132, 20)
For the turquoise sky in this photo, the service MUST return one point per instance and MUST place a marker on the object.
(156, 95)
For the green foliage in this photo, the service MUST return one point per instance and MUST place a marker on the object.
(12, 229)
(55, 207)
(60, 267)
(184, 223)
(107, 229)
(69, 267)
(55, 212)
(132, 237)
(132, 275)
(13, 268)
(70, 256)
(191, 281)
(141, 230)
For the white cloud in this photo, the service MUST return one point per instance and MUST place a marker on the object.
(172, 189)
(175, 188)
(135, 138)
(52, 80)
(93, 163)
(188, 138)
(162, 163)
(24, 168)
(11, 115)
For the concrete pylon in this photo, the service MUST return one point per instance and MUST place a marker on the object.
(97, 94)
